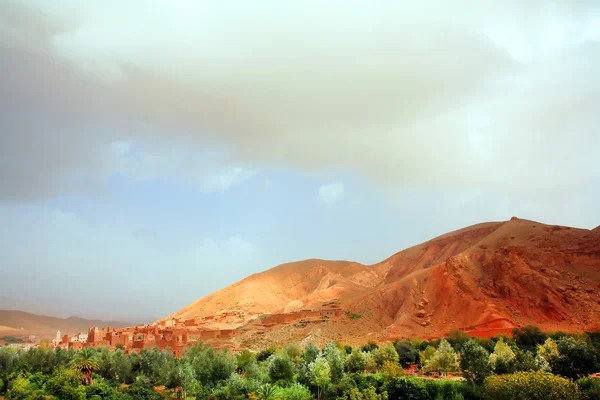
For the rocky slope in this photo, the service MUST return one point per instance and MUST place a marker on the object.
(485, 279)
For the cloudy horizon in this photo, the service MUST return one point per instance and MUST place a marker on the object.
(154, 152)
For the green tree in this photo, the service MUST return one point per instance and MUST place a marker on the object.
(19, 388)
(142, 389)
(407, 353)
(426, 355)
(503, 358)
(575, 358)
(311, 352)
(280, 368)
(294, 351)
(528, 337)
(357, 361)
(590, 387)
(385, 353)
(457, 338)
(444, 359)
(336, 361)
(321, 374)
(369, 347)
(65, 385)
(526, 361)
(371, 364)
(182, 377)
(102, 391)
(475, 362)
(85, 362)
(107, 366)
(244, 360)
(123, 367)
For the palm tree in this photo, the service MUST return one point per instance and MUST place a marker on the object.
(85, 361)
(266, 392)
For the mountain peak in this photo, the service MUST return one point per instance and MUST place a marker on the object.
(486, 278)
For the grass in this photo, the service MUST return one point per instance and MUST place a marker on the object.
(12, 339)
(353, 315)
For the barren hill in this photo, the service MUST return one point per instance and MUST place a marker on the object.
(19, 323)
(485, 279)
(289, 287)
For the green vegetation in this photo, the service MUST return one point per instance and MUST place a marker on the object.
(529, 385)
(11, 339)
(352, 315)
(532, 365)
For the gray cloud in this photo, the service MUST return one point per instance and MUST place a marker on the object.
(497, 96)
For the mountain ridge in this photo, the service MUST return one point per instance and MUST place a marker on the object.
(485, 278)
(24, 323)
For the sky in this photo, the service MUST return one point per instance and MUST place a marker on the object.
(154, 151)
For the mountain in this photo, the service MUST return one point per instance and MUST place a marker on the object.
(19, 323)
(485, 279)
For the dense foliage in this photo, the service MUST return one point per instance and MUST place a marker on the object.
(531, 365)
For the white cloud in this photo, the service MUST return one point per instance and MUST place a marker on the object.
(332, 193)
(435, 94)
(151, 160)
(226, 179)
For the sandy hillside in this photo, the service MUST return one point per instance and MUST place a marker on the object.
(486, 279)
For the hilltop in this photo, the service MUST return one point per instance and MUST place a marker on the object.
(484, 279)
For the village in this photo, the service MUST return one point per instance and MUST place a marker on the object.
(177, 334)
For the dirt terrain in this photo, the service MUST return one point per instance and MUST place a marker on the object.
(484, 279)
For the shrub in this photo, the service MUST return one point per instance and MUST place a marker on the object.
(369, 347)
(143, 389)
(529, 386)
(294, 392)
(406, 388)
(446, 389)
(12, 339)
(367, 394)
(235, 387)
(391, 368)
(590, 387)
